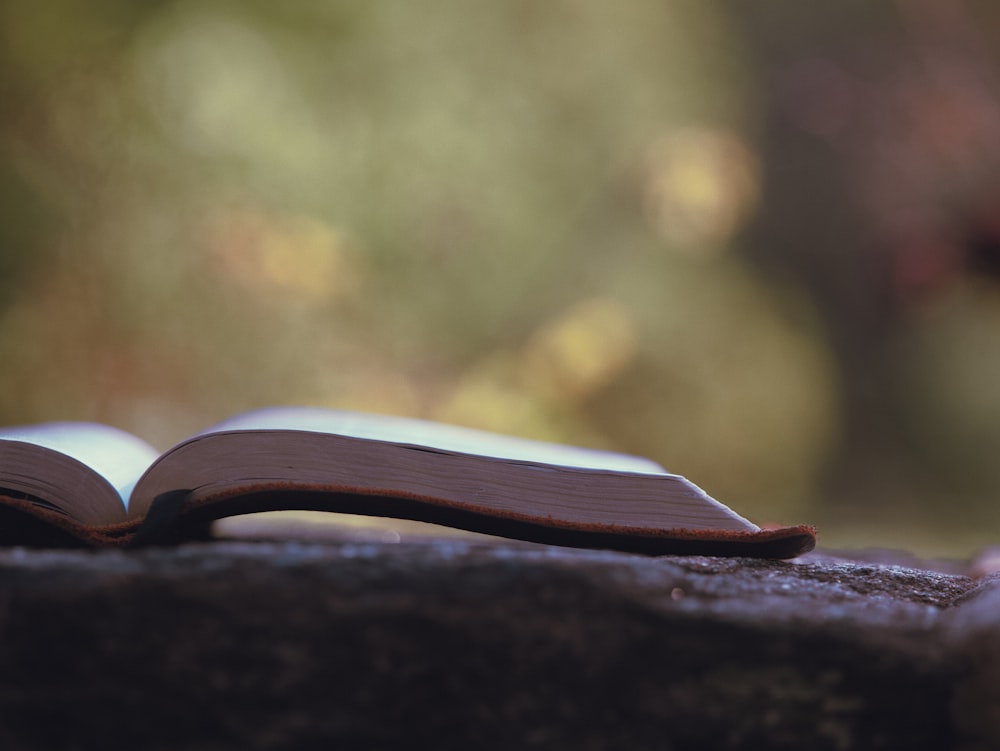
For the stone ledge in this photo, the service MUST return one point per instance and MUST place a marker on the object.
(454, 643)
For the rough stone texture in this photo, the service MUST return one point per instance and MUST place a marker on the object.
(489, 645)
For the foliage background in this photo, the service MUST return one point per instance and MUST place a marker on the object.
(758, 242)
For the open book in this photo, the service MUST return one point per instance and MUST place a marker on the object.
(87, 484)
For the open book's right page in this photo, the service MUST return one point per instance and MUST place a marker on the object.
(442, 436)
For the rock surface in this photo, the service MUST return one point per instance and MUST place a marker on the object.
(455, 643)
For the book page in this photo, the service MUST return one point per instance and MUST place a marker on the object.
(403, 466)
(415, 432)
(119, 457)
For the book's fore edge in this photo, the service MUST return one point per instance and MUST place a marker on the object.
(668, 484)
(775, 542)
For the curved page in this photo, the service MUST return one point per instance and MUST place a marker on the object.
(415, 432)
(81, 468)
(480, 472)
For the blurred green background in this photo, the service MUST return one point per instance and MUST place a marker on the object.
(757, 242)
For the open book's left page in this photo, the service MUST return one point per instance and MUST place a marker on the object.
(85, 469)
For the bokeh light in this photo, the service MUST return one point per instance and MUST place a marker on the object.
(701, 184)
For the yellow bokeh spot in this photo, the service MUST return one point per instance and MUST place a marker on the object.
(488, 397)
(581, 350)
(700, 185)
(292, 256)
